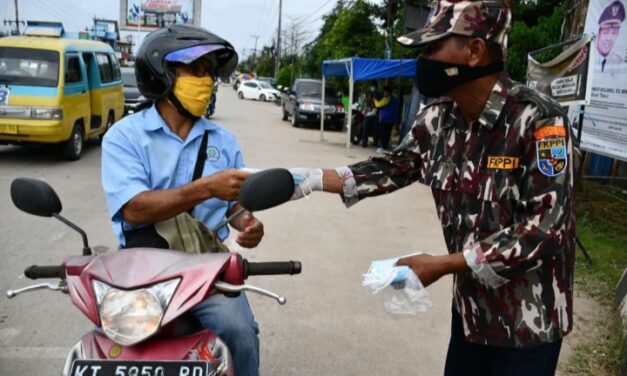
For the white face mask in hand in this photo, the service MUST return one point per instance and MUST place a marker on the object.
(306, 181)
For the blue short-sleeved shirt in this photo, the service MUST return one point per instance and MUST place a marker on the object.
(140, 153)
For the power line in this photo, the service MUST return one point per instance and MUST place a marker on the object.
(263, 14)
(315, 11)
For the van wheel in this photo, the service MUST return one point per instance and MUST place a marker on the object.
(262, 98)
(110, 121)
(73, 147)
(240, 95)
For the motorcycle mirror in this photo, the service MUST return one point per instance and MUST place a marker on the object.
(35, 197)
(266, 189)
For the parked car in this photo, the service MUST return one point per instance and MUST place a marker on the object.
(302, 103)
(260, 90)
(269, 80)
(57, 90)
(134, 101)
(241, 78)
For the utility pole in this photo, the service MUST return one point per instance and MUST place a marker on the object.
(278, 43)
(255, 53)
(17, 19)
(16, 22)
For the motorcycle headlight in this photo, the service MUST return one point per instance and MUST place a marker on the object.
(130, 316)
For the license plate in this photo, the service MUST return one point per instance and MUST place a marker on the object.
(139, 368)
(8, 128)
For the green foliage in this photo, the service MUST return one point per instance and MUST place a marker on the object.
(353, 34)
(541, 31)
(600, 227)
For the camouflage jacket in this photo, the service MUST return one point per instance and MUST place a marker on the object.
(504, 195)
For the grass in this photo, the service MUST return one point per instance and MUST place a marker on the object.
(601, 221)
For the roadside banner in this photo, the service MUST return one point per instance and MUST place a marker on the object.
(564, 77)
(605, 117)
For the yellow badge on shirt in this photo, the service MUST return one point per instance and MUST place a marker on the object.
(503, 163)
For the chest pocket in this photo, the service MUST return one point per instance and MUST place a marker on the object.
(491, 185)
(216, 161)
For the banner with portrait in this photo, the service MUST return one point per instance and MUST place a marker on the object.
(152, 14)
(605, 118)
(565, 77)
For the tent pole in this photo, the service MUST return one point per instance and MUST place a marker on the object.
(349, 113)
(322, 109)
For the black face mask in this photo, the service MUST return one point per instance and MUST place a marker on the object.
(435, 78)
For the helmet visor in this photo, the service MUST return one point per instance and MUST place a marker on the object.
(190, 54)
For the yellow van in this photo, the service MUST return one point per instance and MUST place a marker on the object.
(57, 90)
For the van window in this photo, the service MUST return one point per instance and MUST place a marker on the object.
(104, 66)
(73, 72)
(29, 66)
(115, 68)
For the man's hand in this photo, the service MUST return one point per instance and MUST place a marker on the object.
(225, 184)
(306, 181)
(430, 268)
(250, 228)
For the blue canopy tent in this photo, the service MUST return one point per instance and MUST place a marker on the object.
(360, 69)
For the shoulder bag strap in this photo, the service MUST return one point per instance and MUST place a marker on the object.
(200, 160)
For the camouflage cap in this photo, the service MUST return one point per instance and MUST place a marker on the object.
(490, 20)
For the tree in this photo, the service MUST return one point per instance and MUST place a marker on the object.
(531, 31)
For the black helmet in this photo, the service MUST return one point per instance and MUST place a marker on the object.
(178, 44)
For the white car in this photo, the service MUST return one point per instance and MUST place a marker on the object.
(253, 89)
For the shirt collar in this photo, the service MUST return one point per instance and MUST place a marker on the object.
(154, 121)
(498, 96)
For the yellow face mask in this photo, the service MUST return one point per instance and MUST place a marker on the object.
(194, 93)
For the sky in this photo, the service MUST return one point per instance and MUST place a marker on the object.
(234, 20)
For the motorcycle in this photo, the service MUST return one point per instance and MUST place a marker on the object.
(357, 121)
(140, 299)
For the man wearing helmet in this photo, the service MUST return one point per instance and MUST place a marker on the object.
(497, 156)
(148, 160)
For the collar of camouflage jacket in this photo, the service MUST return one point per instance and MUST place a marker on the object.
(493, 107)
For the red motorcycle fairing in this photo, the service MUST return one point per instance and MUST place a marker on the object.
(96, 345)
(141, 267)
(202, 345)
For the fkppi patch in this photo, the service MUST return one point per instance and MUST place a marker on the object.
(503, 163)
(552, 158)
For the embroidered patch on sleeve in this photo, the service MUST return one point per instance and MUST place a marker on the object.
(550, 130)
(503, 163)
(552, 157)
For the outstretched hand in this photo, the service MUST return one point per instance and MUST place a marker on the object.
(429, 268)
(306, 181)
(225, 184)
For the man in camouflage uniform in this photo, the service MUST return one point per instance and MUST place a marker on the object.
(497, 156)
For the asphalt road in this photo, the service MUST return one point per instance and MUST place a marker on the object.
(330, 325)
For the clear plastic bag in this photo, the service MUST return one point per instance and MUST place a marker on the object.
(400, 289)
(408, 297)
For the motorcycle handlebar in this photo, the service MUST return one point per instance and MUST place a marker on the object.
(270, 268)
(36, 272)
